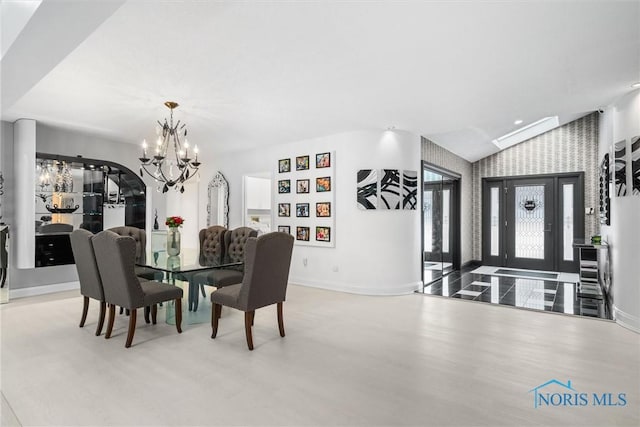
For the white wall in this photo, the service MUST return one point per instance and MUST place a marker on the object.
(377, 252)
(622, 121)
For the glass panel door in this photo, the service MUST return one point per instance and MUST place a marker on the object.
(530, 223)
(440, 216)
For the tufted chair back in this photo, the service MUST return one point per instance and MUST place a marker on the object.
(235, 241)
(139, 235)
(212, 244)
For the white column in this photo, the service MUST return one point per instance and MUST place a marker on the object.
(24, 160)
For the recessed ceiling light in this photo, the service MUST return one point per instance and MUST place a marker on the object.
(518, 122)
(636, 84)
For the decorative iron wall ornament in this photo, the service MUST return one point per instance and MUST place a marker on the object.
(620, 169)
(218, 207)
(605, 202)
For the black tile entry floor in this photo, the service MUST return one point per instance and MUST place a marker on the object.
(535, 294)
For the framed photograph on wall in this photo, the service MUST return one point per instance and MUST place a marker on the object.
(302, 186)
(302, 210)
(284, 186)
(302, 163)
(284, 229)
(323, 209)
(323, 160)
(323, 184)
(284, 165)
(323, 234)
(284, 209)
(302, 233)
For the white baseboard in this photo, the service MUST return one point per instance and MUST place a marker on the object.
(42, 290)
(389, 290)
(626, 320)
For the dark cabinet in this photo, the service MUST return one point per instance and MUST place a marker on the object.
(54, 249)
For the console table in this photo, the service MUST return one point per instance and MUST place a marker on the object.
(591, 257)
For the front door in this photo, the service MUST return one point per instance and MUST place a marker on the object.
(530, 222)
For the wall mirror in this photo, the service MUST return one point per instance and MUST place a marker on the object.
(218, 207)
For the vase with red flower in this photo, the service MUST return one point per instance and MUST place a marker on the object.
(173, 234)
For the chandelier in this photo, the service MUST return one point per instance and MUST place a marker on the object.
(170, 165)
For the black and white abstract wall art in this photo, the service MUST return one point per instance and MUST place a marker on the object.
(409, 189)
(390, 189)
(635, 164)
(620, 168)
(367, 195)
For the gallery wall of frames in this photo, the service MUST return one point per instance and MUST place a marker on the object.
(305, 198)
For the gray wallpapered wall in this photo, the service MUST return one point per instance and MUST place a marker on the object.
(569, 148)
(437, 155)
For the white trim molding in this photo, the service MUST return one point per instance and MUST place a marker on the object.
(626, 320)
(42, 290)
(389, 290)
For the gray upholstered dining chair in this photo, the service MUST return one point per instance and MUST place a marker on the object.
(88, 274)
(140, 236)
(211, 244)
(211, 253)
(267, 260)
(115, 256)
(233, 251)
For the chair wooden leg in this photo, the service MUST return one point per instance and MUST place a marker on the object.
(132, 327)
(121, 310)
(112, 317)
(280, 320)
(215, 315)
(85, 309)
(179, 315)
(154, 313)
(147, 312)
(204, 293)
(248, 319)
(103, 307)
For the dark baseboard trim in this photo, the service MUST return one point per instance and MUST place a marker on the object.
(470, 265)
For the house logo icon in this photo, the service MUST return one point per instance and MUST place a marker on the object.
(539, 397)
(555, 393)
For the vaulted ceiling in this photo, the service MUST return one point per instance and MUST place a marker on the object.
(249, 74)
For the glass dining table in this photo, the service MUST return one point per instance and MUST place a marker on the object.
(181, 270)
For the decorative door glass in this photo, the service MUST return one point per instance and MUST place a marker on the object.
(529, 221)
(446, 214)
(495, 219)
(428, 221)
(567, 222)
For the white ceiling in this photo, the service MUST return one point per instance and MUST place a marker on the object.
(249, 74)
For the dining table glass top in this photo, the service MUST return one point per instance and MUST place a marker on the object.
(186, 262)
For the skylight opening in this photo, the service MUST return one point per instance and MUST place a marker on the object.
(527, 132)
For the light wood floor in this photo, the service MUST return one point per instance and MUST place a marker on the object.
(346, 360)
